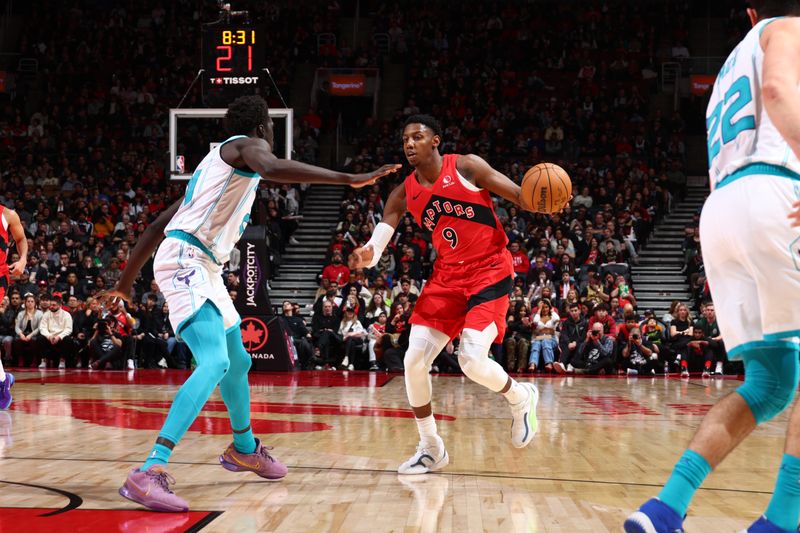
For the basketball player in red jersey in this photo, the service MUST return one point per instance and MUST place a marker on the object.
(10, 224)
(469, 288)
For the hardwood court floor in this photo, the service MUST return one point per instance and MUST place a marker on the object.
(604, 446)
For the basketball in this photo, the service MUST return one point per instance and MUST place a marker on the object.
(546, 188)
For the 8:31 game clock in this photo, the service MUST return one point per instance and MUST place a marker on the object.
(232, 61)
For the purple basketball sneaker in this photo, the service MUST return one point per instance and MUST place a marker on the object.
(260, 462)
(151, 489)
(5, 392)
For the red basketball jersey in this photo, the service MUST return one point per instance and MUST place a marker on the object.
(3, 242)
(462, 220)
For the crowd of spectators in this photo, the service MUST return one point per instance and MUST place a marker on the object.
(84, 165)
(518, 89)
(83, 144)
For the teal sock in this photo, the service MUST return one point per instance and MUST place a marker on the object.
(686, 478)
(159, 455)
(204, 332)
(235, 391)
(784, 508)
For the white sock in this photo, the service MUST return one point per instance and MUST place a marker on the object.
(427, 431)
(516, 394)
(719, 367)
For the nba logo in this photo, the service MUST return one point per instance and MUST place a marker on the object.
(180, 164)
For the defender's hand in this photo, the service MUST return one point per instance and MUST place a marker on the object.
(367, 179)
(114, 294)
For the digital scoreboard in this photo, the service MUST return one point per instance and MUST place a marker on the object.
(232, 61)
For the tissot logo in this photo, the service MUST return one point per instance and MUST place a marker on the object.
(238, 80)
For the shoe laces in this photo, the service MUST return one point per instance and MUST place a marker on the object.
(264, 452)
(422, 449)
(162, 478)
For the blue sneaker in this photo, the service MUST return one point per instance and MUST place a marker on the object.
(654, 516)
(762, 525)
(5, 392)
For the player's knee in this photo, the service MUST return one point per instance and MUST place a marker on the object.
(767, 398)
(771, 378)
(216, 366)
(466, 361)
(240, 360)
(414, 359)
(474, 347)
(424, 345)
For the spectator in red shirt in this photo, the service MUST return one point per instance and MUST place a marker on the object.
(564, 286)
(609, 324)
(421, 243)
(520, 260)
(336, 271)
(339, 245)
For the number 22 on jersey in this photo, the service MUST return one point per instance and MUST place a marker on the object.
(736, 98)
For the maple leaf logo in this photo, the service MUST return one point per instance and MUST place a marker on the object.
(254, 333)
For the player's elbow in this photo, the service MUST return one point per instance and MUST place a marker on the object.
(267, 167)
(774, 90)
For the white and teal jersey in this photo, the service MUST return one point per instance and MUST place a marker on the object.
(742, 139)
(216, 208)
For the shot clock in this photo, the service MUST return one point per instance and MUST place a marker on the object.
(232, 60)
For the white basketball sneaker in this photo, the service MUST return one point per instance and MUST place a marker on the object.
(426, 459)
(524, 423)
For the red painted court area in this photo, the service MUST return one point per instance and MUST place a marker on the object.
(177, 377)
(148, 414)
(34, 520)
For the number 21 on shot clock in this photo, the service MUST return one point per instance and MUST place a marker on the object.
(232, 55)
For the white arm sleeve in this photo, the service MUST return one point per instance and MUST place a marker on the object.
(380, 238)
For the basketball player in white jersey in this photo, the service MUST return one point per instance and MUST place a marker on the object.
(201, 230)
(752, 259)
(10, 225)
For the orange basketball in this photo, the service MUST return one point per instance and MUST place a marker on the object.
(546, 188)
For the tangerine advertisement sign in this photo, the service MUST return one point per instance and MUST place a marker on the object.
(348, 84)
(701, 83)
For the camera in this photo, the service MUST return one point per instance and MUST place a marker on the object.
(103, 327)
(595, 333)
(635, 336)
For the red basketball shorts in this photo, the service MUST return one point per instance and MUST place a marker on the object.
(472, 295)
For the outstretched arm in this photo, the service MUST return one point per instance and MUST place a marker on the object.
(145, 246)
(257, 155)
(18, 233)
(368, 255)
(478, 171)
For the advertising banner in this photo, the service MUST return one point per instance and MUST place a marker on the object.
(348, 84)
(263, 334)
